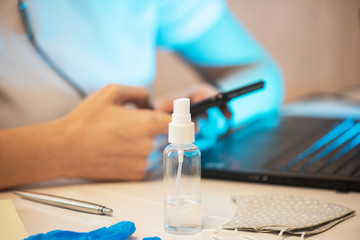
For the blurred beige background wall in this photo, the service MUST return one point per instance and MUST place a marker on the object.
(315, 42)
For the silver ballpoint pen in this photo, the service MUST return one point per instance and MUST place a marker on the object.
(66, 203)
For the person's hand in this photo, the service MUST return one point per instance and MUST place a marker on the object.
(195, 93)
(105, 140)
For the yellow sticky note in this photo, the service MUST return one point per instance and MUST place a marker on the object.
(11, 227)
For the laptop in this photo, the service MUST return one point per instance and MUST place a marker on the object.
(295, 151)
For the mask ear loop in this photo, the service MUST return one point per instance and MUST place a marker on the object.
(243, 235)
(281, 234)
(302, 236)
(238, 234)
(214, 234)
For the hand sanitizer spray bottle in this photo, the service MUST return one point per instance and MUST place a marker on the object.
(182, 163)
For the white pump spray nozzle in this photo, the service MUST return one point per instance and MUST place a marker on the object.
(181, 129)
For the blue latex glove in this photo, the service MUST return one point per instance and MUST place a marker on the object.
(119, 231)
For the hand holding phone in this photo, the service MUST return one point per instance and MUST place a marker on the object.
(223, 97)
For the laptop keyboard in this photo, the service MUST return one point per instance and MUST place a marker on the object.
(335, 153)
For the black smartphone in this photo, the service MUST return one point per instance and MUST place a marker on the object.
(223, 97)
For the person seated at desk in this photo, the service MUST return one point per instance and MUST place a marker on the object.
(71, 120)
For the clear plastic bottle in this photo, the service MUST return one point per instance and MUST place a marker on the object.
(182, 174)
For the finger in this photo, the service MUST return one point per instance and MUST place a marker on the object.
(164, 106)
(197, 130)
(225, 110)
(120, 94)
(202, 92)
(156, 122)
(134, 95)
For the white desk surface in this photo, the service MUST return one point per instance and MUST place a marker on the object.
(141, 203)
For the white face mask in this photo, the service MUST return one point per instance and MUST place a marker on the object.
(282, 213)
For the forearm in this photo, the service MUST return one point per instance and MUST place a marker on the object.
(229, 57)
(30, 154)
